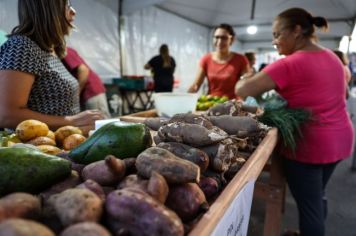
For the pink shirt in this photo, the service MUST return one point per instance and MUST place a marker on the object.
(223, 77)
(94, 85)
(315, 81)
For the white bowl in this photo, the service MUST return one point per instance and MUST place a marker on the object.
(169, 104)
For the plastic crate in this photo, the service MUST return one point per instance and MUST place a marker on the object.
(130, 84)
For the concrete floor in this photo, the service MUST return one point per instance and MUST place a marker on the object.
(341, 193)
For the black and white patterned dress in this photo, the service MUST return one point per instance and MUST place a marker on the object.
(55, 91)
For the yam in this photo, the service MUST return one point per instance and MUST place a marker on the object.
(171, 167)
(107, 172)
(192, 134)
(137, 213)
(63, 132)
(42, 140)
(187, 152)
(235, 124)
(155, 123)
(157, 187)
(209, 186)
(48, 149)
(187, 200)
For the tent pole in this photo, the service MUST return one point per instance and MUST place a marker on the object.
(120, 40)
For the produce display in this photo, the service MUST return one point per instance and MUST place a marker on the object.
(117, 181)
(207, 101)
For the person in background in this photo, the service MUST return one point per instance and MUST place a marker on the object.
(162, 66)
(251, 57)
(347, 70)
(263, 65)
(92, 89)
(222, 68)
(310, 77)
(34, 84)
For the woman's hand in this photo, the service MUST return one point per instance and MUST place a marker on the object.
(193, 88)
(86, 120)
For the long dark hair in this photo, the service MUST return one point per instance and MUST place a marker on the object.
(226, 27)
(164, 52)
(298, 16)
(44, 21)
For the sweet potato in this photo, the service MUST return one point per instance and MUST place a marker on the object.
(221, 154)
(235, 124)
(21, 227)
(70, 182)
(192, 134)
(231, 107)
(187, 200)
(155, 123)
(133, 181)
(63, 132)
(209, 186)
(137, 213)
(130, 165)
(94, 187)
(191, 118)
(157, 187)
(77, 205)
(49, 149)
(171, 167)
(107, 172)
(187, 152)
(86, 229)
(20, 205)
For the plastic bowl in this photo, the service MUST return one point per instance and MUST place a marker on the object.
(169, 104)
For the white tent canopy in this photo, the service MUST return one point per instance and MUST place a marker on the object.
(185, 25)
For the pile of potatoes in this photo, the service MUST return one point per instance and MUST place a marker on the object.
(37, 133)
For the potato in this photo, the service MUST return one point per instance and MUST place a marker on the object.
(20, 227)
(51, 135)
(64, 132)
(73, 141)
(42, 140)
(19, 205)
(29, 129)
(49, 149)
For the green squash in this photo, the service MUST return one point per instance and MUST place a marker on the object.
(24, 169)
(117, 138)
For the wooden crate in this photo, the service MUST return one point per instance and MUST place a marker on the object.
(247, 175)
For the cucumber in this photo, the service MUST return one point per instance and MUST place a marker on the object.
(24, 169)
(117, 138)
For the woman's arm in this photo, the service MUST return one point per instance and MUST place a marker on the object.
(15, 88)
(82, 75)
(199, 79)
(254, 86)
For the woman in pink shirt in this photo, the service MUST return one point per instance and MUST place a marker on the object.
(309, 77)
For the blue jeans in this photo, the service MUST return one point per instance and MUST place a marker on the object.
(307, 183)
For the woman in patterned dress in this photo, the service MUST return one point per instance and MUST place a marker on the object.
(34, 84)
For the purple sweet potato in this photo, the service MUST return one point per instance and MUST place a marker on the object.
(187, 152)
(20, 205)
(94, 187)
(231, 107)
(137, 213)
(191, 118)
(21, 227)
(86, 229)
(187, 200)
(171, 167)
(154, 123)
(209, 186)
(133, 181)
(106, 172)
(157, 187)
(130, 165)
